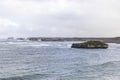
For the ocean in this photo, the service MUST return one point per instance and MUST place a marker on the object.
(26, 60)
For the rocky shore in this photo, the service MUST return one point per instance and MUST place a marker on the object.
(106, 40)
(90, 45)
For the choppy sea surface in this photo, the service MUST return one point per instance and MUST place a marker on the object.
(57, 61)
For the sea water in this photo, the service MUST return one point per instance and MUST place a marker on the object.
(57, 61)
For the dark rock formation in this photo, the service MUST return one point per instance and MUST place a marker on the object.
(33, 39)
(10, 38)
(91, 45)
(20, 38)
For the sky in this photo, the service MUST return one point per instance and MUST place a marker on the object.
(59, 18)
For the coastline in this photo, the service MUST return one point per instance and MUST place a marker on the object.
(107, 40)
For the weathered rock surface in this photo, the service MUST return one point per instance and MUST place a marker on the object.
(91, 45)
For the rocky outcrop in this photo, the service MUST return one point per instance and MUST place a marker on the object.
(33, 39)
(10, 38)
(20, 38)
(91, 45)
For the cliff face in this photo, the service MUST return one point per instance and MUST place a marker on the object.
(90, 44)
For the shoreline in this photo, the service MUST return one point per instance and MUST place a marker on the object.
(54, 39)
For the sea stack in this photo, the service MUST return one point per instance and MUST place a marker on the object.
(90, 45)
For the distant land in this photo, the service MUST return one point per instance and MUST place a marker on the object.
(104, 39)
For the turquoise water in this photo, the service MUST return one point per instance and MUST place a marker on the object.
(57, 61)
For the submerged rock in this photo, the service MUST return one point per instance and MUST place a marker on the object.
(90, 44)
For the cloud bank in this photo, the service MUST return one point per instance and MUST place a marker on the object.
(59, 18)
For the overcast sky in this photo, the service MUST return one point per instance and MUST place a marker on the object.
(60, 18)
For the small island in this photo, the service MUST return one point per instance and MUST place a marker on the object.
(90, 45)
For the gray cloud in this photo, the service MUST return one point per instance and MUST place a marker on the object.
(64, 18)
